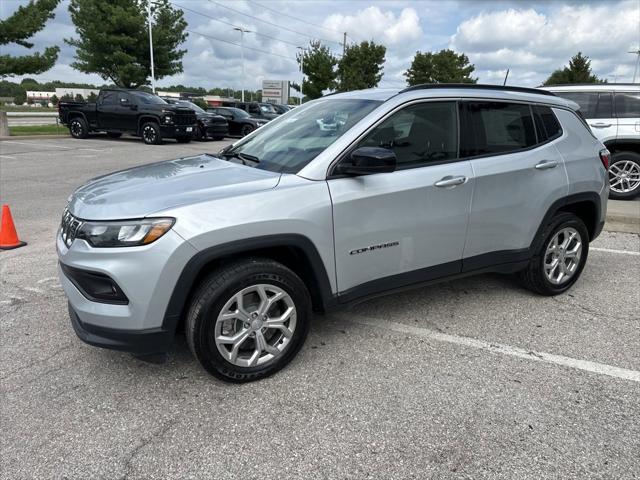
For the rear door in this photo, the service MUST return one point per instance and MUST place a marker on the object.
(518, 175)
(106, 109)
(627, 108)
(407, 226)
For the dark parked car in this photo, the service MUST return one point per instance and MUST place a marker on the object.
(255, 109)
(280, 109)
(240, 122)
(210, 125)
(119, 111)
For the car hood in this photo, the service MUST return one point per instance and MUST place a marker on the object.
(141, 191)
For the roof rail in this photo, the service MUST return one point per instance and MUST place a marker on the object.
(505, 88)
(592, 85)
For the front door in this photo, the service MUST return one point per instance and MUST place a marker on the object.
(395, 229)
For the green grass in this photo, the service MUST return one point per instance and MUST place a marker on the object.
(39, 130)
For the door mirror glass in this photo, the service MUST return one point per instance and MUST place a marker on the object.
(368, 161)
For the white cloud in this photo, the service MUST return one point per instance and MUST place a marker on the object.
(373, 23)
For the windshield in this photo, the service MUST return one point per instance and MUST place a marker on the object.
(266, 108)
(289, 144)
(238, 112)
(148, 98)
(191, 105)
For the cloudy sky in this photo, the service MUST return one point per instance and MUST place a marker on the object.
(531, 38)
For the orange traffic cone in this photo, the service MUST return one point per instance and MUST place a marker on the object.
(8, 235)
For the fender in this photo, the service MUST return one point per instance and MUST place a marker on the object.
(147, 117)
(591, 197)
(200, 260)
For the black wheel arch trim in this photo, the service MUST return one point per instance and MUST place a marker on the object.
(194, 267)
(146, 119)
(558, 205)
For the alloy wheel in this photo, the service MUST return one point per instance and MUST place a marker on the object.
(562, 256)
(76, 128)
(149, 134)
(255, 325)
(624, 176)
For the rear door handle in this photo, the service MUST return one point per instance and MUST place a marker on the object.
(450, 181)
(546, 164)
(600, 125)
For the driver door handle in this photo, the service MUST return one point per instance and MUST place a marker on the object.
(546, 164)
(600, 125)
(450, 181)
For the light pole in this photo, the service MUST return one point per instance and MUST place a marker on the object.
(153, 75)
(635, 70)
(302, 71)
(242, 32)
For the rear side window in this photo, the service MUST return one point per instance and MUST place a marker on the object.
(628, 104)
(547, 125)
(495, 127)
(109, 98)
(592, 104)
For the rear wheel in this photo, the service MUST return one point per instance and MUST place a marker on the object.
(246, 130)
(114, 134)
(624, 175)
(78, 128)
(248, 320)
(150, 132)
(560, 253)
(199, 134)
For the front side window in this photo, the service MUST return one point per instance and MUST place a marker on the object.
(291, 142)
(148, 98)
(491, 128)
(109, 98)
(628, 104)
(418, 134)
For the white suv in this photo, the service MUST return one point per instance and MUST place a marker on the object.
(613, 113)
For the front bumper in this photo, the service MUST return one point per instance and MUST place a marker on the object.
(173, 131)
(138, 342)
(217, 130)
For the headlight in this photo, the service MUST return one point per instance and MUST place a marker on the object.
(124, 233)
(168, 119)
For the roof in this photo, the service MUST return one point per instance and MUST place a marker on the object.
(467, 90)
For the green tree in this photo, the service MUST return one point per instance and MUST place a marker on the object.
(23, 24)
(78, 98)
(318, 67)
(445, 66)
(578, 71)
(361, 66)
(92, 97)
(113, 39)
(54, 100)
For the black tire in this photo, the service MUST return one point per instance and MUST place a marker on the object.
(218, 138)
(114, 134)
(78, 127)
(217, 289)
(246, 130)
(199, 134)
(630, 160)
(183, 139)
(533, 277)
(150, 133)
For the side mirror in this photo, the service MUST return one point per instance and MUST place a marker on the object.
(367, 161)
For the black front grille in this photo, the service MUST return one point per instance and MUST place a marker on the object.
(69, 228)
(182, 119)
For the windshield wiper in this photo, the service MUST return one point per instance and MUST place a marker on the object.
(241, 156)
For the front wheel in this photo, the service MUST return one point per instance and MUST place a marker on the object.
(560, 253)
(151, 133)
(78, 128)
(624, 175)
(248, 320)
(246, 130)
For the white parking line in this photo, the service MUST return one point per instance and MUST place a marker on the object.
(587, 366)
(48, 145)
(610, 250)
(7, 156)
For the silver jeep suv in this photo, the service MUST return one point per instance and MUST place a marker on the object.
(347, 197)
(612, 110)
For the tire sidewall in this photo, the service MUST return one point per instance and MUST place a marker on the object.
(204, 346)
(558, 224)
(624, 157)
(246, 130)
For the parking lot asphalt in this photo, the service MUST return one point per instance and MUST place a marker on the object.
(476, 378)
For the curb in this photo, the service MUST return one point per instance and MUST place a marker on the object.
(34, 137)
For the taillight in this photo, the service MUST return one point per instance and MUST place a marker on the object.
(605, 157)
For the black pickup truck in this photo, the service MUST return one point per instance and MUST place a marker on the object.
(119, 111)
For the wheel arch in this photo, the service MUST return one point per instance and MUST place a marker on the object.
(295, 251)
(75, 114)
(586, 206)
(627, 145)
(147, 118)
